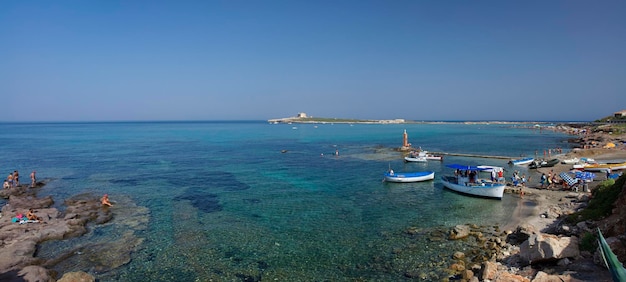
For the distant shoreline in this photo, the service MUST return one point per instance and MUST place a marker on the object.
(403, 121)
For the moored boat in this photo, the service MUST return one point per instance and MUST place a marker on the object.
(604, 167)
(543, 163)
(409, 176)
(466, 181)
(570, 161)
(415, 159)
(523, 161)
(431, 157)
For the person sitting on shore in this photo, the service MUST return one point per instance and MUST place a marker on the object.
(30, 215)
(105, 200)
(6, 184)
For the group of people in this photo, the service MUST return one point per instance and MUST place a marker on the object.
(13, 180)
(519, 180)
(548, 181)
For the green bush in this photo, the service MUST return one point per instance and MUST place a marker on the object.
(588, 242)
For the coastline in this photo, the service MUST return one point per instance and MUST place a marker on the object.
(541, 211)
(530, 209)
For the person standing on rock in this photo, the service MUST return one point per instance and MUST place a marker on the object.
(10, 179)
(33, 179)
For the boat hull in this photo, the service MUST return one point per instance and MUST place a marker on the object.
(434, 158)
(604, 167)
(483, 189)
(416, 160)
(404, 177)
(538, 164)
(522, 161)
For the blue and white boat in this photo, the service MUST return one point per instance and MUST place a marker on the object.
(523, 161)
(466, 181)
(391, 176)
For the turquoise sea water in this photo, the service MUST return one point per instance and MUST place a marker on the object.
(222, 202)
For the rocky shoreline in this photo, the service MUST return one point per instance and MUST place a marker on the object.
(20, 240)
(539, 245)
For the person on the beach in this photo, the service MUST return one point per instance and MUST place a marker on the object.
(105, 200)
(30, 215)
(6, 184)
(33, 179)
(16, 178)
(10, 179)
(544, 180)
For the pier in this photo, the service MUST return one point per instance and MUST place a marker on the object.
(472, 155)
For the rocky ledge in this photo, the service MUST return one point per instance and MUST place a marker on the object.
(19, 240)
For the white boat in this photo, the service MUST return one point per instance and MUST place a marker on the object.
(570, 161)
(409, 176)
(415, 159)
(467, 181)
(432, 157)
(489, 168)
(422, 156)
(523, 161)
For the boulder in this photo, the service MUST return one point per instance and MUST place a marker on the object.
(542, 247)
(35, 273)
(489, 271)
(459, 232)
(78, 276)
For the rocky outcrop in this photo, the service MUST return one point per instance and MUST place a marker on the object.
(542, 247)
(19, 240)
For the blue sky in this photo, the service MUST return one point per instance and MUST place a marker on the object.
(242, 60)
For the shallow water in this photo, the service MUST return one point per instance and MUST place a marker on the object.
(224, 203)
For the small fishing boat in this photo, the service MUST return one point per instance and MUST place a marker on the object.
(604, 167)
(570, 161)
(403, 177)
(415, 159)
(466, 181)
(543, 163)
(432, 157)
(523, 161)
(422, 156)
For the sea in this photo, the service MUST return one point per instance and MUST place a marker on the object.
(253, 201)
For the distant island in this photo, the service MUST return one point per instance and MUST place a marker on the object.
(303, 118)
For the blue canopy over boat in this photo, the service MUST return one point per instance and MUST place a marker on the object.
(466, 167)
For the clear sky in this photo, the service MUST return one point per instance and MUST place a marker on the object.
(248, 59)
